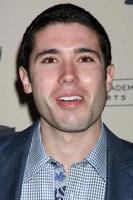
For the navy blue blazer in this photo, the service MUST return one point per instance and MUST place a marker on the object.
(14, 151)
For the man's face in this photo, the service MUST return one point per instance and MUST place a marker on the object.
(67, 77)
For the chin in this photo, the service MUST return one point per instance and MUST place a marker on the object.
(72, 128)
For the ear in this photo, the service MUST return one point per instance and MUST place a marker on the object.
(110, 71)
(25, 80)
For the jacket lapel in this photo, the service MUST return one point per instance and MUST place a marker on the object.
(119, 169)
(13, 155)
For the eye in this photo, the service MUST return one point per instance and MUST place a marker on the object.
(49, 60)
(86, 58)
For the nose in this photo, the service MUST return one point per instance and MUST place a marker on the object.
(68, 74)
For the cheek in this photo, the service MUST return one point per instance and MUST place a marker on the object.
(93, 78)
(42, 83)
(95, 86)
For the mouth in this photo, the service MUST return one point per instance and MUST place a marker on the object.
(70, 98)
(70, 101)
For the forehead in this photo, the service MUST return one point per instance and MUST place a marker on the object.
(66, 35)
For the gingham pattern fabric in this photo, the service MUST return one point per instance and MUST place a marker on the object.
(86, 180)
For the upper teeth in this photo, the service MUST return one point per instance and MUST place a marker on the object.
(70, 98)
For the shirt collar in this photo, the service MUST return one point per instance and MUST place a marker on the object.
(38, 157)
(98, 156)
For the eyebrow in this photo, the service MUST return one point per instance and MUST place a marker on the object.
(58, 51)
(87, 50)
(47, 51)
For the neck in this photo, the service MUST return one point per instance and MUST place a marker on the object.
(69, 148)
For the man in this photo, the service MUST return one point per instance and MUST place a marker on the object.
(65, 62)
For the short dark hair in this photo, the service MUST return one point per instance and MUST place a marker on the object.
(62, 13)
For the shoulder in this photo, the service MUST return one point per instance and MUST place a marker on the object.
(9, 137)
(6, 130)
(118, 146)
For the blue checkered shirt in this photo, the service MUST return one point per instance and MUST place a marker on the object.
(86, 181)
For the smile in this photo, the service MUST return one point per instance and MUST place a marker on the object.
(70, 98)
(70, 102)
